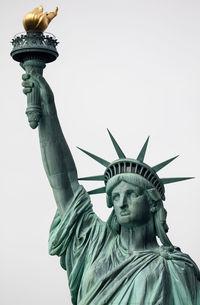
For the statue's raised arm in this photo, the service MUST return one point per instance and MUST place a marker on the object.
(57, 159)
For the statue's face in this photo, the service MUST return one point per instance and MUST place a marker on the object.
(130, 205)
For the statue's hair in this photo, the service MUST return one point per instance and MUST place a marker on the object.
(154, 201)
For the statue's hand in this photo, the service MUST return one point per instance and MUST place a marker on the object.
(35, 82)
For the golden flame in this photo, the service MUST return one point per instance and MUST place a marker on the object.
(37, 20)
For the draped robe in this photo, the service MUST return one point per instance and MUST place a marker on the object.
(102, 272)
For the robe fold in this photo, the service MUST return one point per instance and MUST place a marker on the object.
(101, 272)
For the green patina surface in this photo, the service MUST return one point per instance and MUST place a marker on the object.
(118, 261)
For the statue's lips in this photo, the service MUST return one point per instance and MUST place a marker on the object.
(124, 213)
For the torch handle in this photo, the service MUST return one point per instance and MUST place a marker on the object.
(33, 110)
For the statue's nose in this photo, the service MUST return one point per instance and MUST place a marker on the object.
(123, 201)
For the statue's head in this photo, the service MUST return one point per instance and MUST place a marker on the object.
(135, 190)
(133, 199)
(130, 204)
(135, 202)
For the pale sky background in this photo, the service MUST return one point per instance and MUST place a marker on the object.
(130, 66)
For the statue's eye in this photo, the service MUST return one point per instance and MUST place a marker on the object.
(131, 194)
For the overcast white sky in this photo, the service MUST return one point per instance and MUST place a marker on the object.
(132, 66)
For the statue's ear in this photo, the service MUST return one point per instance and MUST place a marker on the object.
(153, 194)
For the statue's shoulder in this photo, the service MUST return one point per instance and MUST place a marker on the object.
(178, 258)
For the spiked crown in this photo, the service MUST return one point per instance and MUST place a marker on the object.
(135, 166)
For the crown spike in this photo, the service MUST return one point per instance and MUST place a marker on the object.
(172, 180)
(116, 146)
(93, 178)
(143, 151)
(98, 191)
(98, 159)
(159, 166)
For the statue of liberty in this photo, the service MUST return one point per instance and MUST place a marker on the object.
(117, 262)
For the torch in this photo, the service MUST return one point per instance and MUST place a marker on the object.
(33, 49)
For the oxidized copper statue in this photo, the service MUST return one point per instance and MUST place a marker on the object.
(119, 261)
